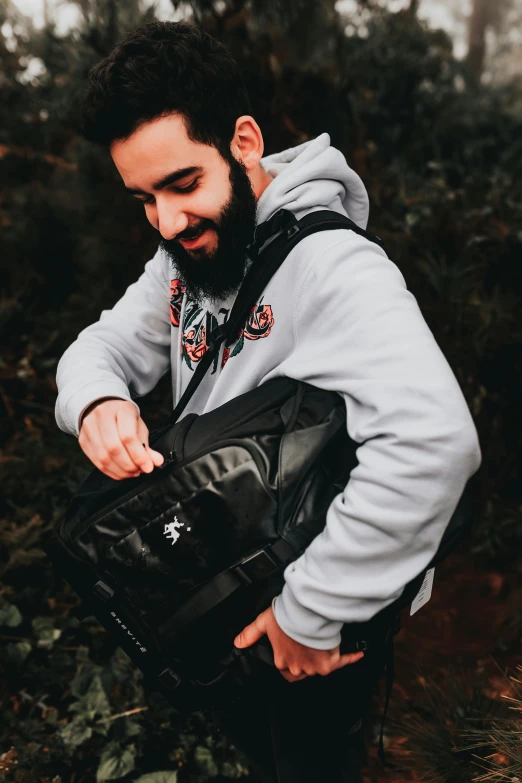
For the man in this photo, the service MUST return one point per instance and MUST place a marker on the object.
(170, 105)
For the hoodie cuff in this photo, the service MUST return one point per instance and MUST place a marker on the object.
(86, 395)
(304, 626)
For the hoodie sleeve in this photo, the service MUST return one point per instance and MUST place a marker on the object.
(359, 331)
(124, 354)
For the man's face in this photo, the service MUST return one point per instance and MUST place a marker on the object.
(203, 206)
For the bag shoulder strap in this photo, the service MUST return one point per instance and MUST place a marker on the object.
(266, 261)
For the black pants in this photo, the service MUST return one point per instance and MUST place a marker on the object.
(307, 731)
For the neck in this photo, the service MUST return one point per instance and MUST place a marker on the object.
(260, 180)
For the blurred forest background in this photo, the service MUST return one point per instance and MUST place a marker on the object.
(424, 98)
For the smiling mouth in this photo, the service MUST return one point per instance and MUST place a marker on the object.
(193, 234)
(193, 240)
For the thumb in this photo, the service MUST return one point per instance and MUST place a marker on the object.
(157, 458)
(349, 658)
(250, 634)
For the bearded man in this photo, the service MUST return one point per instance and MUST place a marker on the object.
(170, 106)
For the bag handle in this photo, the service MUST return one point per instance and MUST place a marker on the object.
(288, 233)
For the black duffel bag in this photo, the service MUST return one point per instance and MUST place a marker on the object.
(175, 563)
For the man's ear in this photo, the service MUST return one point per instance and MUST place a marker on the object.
(247, 144)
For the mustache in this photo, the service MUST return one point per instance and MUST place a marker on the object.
(193, 231)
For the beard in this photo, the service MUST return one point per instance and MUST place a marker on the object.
(216, 275)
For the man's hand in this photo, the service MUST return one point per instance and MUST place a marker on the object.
(294, 660)
(116, 439)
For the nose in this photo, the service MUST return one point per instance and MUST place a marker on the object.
(171, 222)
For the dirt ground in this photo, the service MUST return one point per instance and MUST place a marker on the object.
(472, 622)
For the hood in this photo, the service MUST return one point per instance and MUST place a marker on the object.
(312, 175)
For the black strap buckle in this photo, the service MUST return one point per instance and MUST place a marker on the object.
(281, 220)
(103, 591)
(256, 567)
(169, 679)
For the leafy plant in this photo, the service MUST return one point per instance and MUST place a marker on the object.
(443, 167)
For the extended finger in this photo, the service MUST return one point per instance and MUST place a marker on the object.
(251, 633)
(348, 658)
(127, 421)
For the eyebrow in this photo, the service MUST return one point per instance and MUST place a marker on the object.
(168, 179)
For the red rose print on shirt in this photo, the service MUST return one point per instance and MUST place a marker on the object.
(259, 323)
(176, 297)
(196, 323)
(195, 342)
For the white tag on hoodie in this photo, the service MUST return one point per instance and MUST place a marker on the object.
(424, 594)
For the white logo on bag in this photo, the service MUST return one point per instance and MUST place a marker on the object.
(124, 627)
(171, 530)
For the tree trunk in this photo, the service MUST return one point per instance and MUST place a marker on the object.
(477, 25)
(413, 7)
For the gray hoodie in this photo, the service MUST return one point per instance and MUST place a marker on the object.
(337, 315)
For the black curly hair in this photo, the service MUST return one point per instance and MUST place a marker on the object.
(161, 68)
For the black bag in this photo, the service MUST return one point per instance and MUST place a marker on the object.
(175, 563)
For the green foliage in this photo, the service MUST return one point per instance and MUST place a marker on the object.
(17, 652)
(10, 615)
(205, 763)
(443, 166)
(93, 702)
(503, 736)
(75, 732)
(115, 762)
(159, 777)
(45, 631)
(437, 731)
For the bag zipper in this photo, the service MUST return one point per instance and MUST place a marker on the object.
(248, 444)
